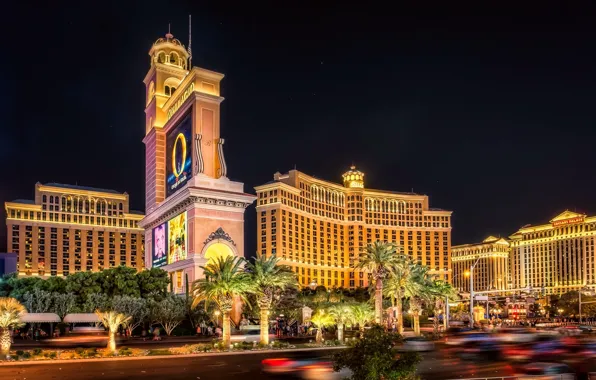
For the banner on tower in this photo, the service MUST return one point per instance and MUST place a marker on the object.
(179, 155)
(177, 238)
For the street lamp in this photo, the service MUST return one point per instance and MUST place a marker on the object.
(471, 274)
(217, 313)
(313, 285)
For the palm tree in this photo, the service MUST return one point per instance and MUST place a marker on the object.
(224, 280)
(269, 279)
(321, 319)
(112, 320)
(415, 309)
(378, 259)
(440, 291)
(362, 313)
(11, 312)
(406, 279)
(341, 314)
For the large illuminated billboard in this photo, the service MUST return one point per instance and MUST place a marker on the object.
(160, 253)
(177, 243)
(179, 155)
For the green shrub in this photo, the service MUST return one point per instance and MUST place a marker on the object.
(372, 358)
(280, 344)
(20, 352)
(159, 351)
(218, 345)
(50, 355)
(26, 355)
(37, 351)
(80, 351)
(91, 352)
(332, 342)
(124, 351)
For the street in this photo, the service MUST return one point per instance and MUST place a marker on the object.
(440, 364)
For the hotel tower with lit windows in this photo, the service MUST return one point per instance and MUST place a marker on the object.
(194, 213)
(491, 271)
(67, 229)
(319, 228)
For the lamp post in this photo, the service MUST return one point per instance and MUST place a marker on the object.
(472, 291)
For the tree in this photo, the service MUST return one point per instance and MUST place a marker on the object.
(269, 279)
(37, 301)
(378, 259)
(362, 313)
(342, 315)
(440, 292)
(153, 283)
(415, 310)
(169, 312)
(112, 320)
(321, 319)
(406, 279)
(55, 284)
(224, 280)
(371, 358)
(21, 285)
(11, 312)
(63, 304)
(134, 307)
(83, 284)
(96, 301)
(119, 281)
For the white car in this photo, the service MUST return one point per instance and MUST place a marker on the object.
(417, 344)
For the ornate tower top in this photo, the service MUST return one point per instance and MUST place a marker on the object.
(169, 51)
(353, 178)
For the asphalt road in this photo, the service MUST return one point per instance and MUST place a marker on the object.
(441, 364)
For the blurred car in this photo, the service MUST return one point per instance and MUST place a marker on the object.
(546, 371)
(481, 349)
(417, 344)
(514, 335)
(569, 330)
(304, 368)
(249, 336)
(468, 337)
(517, 352)
(586, 328)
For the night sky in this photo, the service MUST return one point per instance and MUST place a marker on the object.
(489, 111)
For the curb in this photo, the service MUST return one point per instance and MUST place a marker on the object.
(130, 358)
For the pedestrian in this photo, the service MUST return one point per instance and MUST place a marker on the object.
(199, 330)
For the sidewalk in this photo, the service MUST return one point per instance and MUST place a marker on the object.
(153, 357)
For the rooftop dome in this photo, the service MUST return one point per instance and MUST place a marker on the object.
(353, 178)
(169, 51)
(169, 38)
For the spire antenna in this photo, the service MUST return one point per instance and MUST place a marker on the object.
(189, 42)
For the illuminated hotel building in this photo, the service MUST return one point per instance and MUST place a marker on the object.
(194, 212)
(492, 270)
(68, 229)
(319, 228)
(558, 256)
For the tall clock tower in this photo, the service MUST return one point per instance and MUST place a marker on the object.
(194, 213)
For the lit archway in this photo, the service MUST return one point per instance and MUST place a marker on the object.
(216, 250)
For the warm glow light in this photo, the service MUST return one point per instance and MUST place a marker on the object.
(467, 273)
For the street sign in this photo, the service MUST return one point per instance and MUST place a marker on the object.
(481, 298)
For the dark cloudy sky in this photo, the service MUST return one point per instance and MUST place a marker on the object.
(489, 111)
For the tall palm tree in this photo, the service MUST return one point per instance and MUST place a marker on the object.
(269, 279)
(440, 291)
(321, 319)
(112, 320)
(342, 315)
(224, 280)
(11, 312)
(378, 259)
(406, 279)
(362, 313)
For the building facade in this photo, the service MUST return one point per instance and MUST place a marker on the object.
(319, 228)
(194, 212)
(492, 269)
(557, 257)
(68, 229)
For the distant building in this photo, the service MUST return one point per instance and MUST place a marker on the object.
(319, 228)
(558, 256)
(68, 229)
(491, 271)
(8, 263)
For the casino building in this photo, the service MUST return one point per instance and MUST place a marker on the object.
(492, 269)
(319, 228)
(67, 229)
(557, 256)
(194, 213)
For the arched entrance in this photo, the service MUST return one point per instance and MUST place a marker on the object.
(217, 250)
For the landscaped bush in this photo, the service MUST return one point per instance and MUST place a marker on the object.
(159, 351)
(20, 352)
(36, 351)
(280, 344)
(125, 351)
(333, 342)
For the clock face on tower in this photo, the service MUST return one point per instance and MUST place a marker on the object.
(179, 155)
